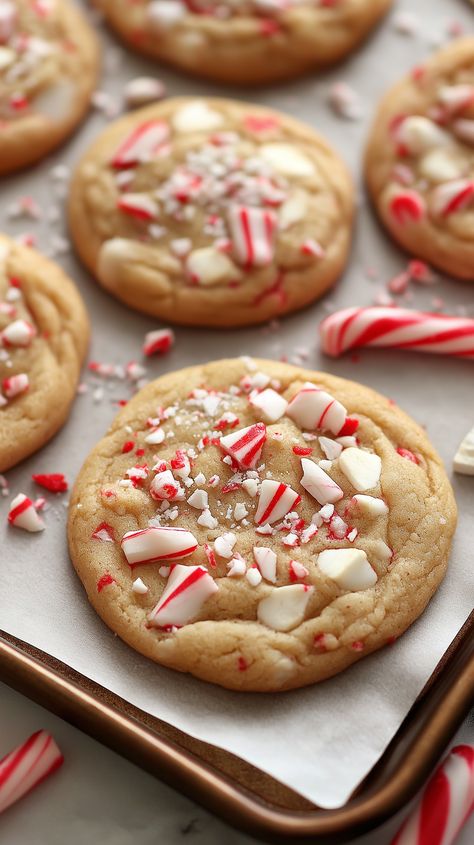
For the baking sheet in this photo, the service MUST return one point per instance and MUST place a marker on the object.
(323, 740)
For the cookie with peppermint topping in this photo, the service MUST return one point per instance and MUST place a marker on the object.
(245, 41)
(285, 525)
(420, 160)
(44, 331)
(212, 212)
(49, 60)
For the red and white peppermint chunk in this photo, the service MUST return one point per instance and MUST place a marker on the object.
(252, 231)
(15, 385)
(417, 134)
(8, 18)
(456, 98)
(146, 141)
(20, 333)
(319, 484)
(452, 197)
(165, 487)
(140, 206)
(271, 405)
(23, 514)
(313, 408)
(245, 446)
(187, 590)
(154, 544)
(275, 501)
(266, 561)
(158, 341)
(284, 609)
(369, 505)
(349, 568)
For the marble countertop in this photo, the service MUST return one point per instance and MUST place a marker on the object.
(98, 797)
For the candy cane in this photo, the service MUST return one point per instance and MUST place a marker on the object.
(15, 385)
(160, 340)
(154, 544)
(145, 141)
(275, 501)
(19, 333)
(399, 328)
(22, 514)
(446, 803)
(313, 408)
(23, 769)
(252, 233)
(187, 589)
(245, 445)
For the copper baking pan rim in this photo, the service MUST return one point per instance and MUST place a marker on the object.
(395, 779)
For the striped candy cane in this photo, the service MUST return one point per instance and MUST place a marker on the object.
(399, 328)
(23, 769)
(252, 231)
(446, 803)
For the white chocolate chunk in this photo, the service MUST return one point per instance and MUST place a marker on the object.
(196, 116)
(266, 561)
(270, 403)
(349, 568)
(362, 469)
(199, 500)
(370, 505)
(293, 210)
(319, 484)
(208, 267)
(7, 57)
(464, 458)
(439, 166)
(419, 134)
(139, 587)
(285, 607)
(287, 159)
(166, 13)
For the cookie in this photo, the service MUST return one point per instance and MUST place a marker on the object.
(249, 42)
(420, 160)
(212, 212)
(48, 70)
(44, 332)
(260, 526)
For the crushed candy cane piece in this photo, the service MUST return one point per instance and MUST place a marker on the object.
(29, 765)
(271, 405)
(158, 341)
(54, 482)
(284, 609)
(319, 484)
(23, 514)
(154, 544)
(362, 469)
(266, 561)
(313, 408)
(186, 591)
(276, 499)
(245, 445)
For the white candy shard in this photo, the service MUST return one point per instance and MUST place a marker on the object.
(253, 576)
(370, 505)
(196, 116)
(319, 484)
(140, 206)
(275, 501)
(349, 568)
(19, 333)
(452, 197)
(362, 469)
(208, 267)
(223, 546)
(464, 458)
(285, 607)
(245, 445)
(139, 587)
(187, 589)
(331, 448)
(164, 486)
(252, 231)
(153, 544)
(155, 437)
(266, 561)
(142, 144)
(22, 514)
(287, 159)
(312, 408)
(237, 568)
(270, 403)
(199, 500)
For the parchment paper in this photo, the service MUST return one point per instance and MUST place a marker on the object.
(323, 740)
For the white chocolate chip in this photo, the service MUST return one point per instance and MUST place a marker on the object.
(464, 458)
(370, 505)
(362, 469)
(349, 568)
(287, 159)
(208, 267)
(285, 607)
(270, 403)
(196, 116)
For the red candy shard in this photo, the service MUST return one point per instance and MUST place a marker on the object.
(55, 482)
(27, 766)
(104, 532)
(407, 206)
(105, 581)
(350, 427)
(406, 453)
